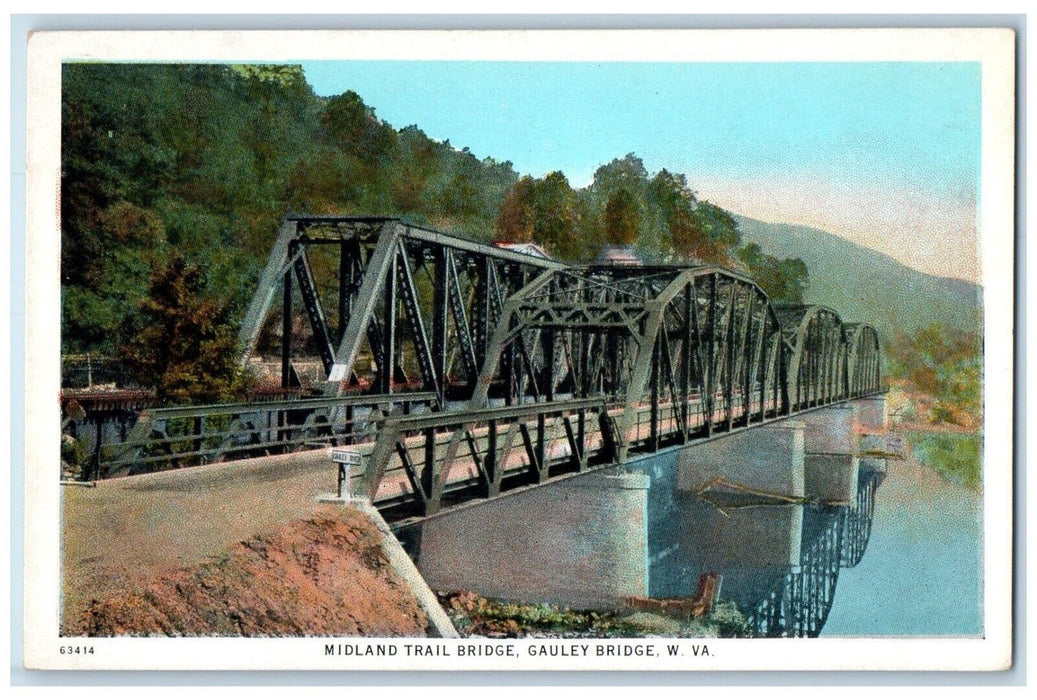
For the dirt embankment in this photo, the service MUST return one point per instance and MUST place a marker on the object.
(322, 575)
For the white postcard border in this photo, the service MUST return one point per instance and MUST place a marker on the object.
(993, 48)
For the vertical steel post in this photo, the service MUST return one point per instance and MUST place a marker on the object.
(490, 464)
(729, 352)
(653, 427)
(508, 372)
(430, 470)
(385, 374)
(710, 369)
(345, 286)
(440, 311)
(685, 373)
(548, 340)
(286, 324)
(481, 308)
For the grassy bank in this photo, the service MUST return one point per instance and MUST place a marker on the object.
(955, 456)
(474, 615)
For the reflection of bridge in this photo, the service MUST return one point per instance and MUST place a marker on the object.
(558, 369)
(798, 603)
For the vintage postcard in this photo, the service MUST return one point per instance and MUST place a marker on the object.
(520, 350)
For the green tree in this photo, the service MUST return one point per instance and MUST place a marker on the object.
(785, 280)
(717, 234)
(557, 216)
(622, 218)
(352, 126)
(670, 194)
(546, 211)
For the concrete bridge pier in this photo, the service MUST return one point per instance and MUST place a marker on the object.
(831, 462)
(749, 547)
(767, 458)
(580, 541)
(871, 413)
(871, 426)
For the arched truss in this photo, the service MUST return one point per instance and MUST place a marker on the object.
(863, 360)
(418, 303)
(698, 348)
(817, 344)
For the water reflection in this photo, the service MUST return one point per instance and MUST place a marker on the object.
(779, 562)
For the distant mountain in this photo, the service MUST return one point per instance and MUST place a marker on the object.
(867, 286)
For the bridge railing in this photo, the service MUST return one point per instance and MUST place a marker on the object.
(421, 464)
(171, 438)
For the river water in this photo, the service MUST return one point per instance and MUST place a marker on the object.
(921, 574)
(904, 560)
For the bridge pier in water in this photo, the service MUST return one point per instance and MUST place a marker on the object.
(768, 458)
(831, 463)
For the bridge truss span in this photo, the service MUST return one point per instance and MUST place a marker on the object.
(414, 307)
(700, 346)
(544, 369)
(665, 354)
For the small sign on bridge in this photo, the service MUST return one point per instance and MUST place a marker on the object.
(344, 455)
(348, 460)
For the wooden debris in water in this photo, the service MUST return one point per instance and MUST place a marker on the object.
(698, 605)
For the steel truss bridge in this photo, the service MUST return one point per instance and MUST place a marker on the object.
(513, 369)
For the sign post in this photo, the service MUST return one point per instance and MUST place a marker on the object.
(348, 461)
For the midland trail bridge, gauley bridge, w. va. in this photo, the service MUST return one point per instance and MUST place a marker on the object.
(599, 398)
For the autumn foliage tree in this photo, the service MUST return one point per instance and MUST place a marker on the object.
(544, 210)
(622, 218)
(945, 363)
(184, 347)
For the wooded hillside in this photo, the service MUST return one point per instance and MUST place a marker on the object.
(174, 179)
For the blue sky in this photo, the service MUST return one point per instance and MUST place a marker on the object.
(886, 154)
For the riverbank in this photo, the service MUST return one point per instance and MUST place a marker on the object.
(952, 449)
(324, 575)
(476, 616)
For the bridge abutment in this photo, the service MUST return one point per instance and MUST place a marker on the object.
(580, 542)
